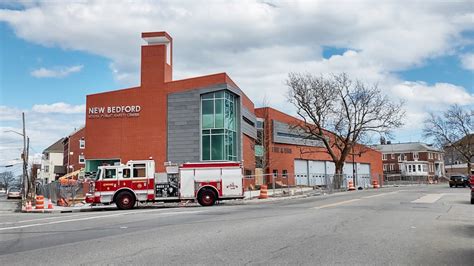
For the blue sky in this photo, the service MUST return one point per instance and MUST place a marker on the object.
(55, 53)
(22, 90)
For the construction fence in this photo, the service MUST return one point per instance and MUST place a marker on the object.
(411, 179)
(324, 182)
(65, 193)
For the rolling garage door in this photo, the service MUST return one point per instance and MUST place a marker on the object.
(363, 175)
(312, 173)
(301, 172)
(317, 175)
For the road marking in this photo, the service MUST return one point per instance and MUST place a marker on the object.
(40, 219)
(430, 198)
(336, 204)
(91, 218)
(379, 195)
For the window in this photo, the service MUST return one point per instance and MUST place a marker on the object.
(430, 155)
(275, 173)
(409, 168)
(392, 167)
(419, 168)
(110, 174)
(46, 168)
(399, 158)
(384, 157)
(248, 121)
(139, 170)
(218, 126)
(415, 156)
(126, 173)
(82, 144)
(424, 168)
(392, 156)
(285, 173)
(82, 160)
(385, 168)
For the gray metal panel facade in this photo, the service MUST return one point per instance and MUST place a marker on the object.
(184, 136)
(285, 130)
(247, 129)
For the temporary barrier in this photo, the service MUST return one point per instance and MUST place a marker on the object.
(39, 202)
(263, 192)
(375, 183)
(351, 186)
(50, 204)
(29, 208)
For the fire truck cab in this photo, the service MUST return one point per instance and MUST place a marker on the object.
(136, 181)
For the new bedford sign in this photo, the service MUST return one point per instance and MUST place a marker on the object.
(114, 111)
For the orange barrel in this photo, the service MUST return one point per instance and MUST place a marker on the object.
(39, 202)
(351, 185)
(375, 183)
(263, 192)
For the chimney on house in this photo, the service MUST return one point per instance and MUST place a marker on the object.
(157, 59)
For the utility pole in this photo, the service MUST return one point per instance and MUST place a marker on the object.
(25, 162)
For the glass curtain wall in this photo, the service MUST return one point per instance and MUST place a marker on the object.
(218, 126)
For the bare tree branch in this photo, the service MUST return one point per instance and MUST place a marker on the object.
(341, 112)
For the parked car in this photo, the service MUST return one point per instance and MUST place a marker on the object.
(459, 180)
(13, 193)
(472, 189)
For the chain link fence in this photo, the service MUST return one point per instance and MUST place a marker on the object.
(65, 192)
(327, 183)
(410, 180)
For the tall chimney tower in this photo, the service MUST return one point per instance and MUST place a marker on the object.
(157, 59)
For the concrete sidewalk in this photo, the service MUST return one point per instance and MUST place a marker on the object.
(250, 197)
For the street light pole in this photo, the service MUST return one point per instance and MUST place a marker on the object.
(24, 156)
(25, 160)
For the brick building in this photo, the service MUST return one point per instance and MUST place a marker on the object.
(414, 159)
(207, 118)
(74, 149)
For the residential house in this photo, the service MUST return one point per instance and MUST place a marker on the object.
(411, 160)
(52, 162)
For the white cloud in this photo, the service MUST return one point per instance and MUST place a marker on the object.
(45, 124)
(57, 72)
(259, 42)
(437, 95)
(9, 113)
(60, 107)
(467, 61)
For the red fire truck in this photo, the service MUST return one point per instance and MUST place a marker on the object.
(125, 185)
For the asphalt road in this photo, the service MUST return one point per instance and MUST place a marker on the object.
(430, 225)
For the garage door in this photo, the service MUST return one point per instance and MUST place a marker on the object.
(363, 175)
(301, 172)
(317, 170)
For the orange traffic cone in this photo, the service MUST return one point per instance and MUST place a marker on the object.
(50, 205)
(351, 186)
(29, 208)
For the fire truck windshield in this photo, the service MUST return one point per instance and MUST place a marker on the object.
(97, 175)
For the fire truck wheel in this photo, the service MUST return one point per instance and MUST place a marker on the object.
(125, 200)
(206, 197)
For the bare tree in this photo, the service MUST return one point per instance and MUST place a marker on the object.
(341, 112)
(6, 179)
(453, 130)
